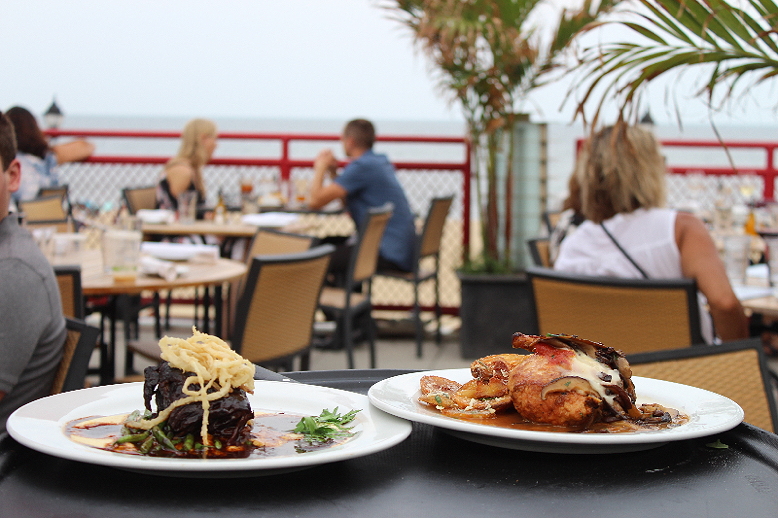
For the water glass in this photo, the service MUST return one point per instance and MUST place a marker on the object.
(187, 207)
(736, 251)
(121, 254)
(67, 248)
(772, 259)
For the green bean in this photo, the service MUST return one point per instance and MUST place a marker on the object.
(146, 445)
(217, 444)
(133, 437)
(189, 442)
(162, 438)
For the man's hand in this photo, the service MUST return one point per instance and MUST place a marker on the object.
(320, 195)
(325, 162)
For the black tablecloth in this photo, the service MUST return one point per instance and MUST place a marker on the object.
(430, 474)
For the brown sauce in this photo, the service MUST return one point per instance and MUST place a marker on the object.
(511, 419)
(271, 436)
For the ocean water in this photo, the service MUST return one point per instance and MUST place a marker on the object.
(561, 142)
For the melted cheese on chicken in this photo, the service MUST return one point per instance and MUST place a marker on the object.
(593, 371)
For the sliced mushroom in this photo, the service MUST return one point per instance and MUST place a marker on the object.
(569, 384)
(625, 400)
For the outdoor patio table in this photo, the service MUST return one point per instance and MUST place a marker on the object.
(95, 282)
(431, 473)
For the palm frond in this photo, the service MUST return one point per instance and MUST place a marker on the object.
(740, 43)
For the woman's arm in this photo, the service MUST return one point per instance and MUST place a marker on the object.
(700, 261)
(179, 178)
(73, 151)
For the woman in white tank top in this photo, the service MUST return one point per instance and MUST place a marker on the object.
(621, 175)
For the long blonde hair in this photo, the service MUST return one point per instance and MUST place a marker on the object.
(192, 150)
(620, 169)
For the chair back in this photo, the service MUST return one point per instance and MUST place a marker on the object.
(274, 318)
(69, 280)
(48, 208)
(540, 251)
(138, 198)
(274, 242)
(632, 315)
(432, 233)
(551, 218)
(737, 370)
(58, 190)
(364, 258)
(81, 340)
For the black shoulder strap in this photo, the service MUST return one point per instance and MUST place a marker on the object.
(636, 265)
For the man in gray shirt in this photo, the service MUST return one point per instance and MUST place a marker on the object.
(32, 327)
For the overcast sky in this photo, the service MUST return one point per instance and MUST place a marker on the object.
(309, 59)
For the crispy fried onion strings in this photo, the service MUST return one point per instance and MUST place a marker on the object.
(214, 365)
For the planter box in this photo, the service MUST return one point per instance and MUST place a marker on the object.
(494, 307)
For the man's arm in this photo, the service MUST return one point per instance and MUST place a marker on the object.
(320, 195)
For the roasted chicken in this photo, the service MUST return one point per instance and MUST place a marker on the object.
(566, 381)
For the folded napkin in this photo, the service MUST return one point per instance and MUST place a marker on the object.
(182, 251)
(270, 219)
(155, 215)
(152, 266)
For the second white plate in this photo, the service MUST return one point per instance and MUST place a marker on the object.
(709, 413)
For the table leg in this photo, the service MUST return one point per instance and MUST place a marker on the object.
(218, 301)
(206, 308)
(107, 350)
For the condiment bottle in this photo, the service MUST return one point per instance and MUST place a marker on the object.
(219, 213)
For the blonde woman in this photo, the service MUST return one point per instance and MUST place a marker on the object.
(185, 171)
(628, 233)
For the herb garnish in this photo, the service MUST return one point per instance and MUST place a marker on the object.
(326, 426)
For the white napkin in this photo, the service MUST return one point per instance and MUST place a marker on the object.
(152, 266)
(155, 215)
(270, 219)
(182, 251)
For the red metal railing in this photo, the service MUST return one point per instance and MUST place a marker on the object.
(107, 173)
(285, 162)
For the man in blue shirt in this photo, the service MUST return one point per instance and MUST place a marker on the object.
(369, 180)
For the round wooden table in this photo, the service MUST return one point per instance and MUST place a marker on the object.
(95, 282)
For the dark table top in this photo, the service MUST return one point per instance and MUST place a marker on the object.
(430, 473)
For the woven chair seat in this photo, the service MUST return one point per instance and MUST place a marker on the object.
(336, 298)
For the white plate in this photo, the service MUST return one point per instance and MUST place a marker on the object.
(709, 413)
(39, 425)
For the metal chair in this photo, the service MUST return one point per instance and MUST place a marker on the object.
(137, 198)
(275, 315)
(345, 303)
(271, 242)
(737, 370)
(427, 246)
(540, 252)
(69, 280)
(81, 340)
(632, 315)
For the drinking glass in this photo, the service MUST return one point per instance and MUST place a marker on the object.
(187, 207)
(736, 251)
(772, 259)
(121, 254)
(67, 248)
